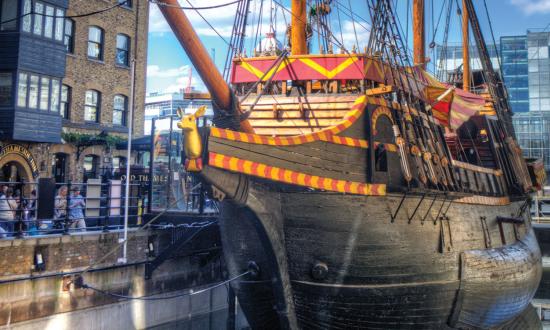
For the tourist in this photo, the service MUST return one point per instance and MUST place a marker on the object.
(29, 213)
(6, 215)
(60, 209)
(76, 209)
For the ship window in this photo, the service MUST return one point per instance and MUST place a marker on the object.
(381, 158)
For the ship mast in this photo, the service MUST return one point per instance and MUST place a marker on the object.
(465, 48)
(419, 33)
(222, 96)
(298, 29)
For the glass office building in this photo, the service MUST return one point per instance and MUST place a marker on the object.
(513, 52)
(532, 124)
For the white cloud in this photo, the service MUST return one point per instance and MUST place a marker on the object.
(154, 71)
(530, 7)
(171, 79)
(221, 18)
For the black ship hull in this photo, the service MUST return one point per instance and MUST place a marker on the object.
(338, 261)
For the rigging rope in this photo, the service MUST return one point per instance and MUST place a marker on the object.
(160, 3)
(66, 16)
(150, 298)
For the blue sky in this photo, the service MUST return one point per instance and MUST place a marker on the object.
(168, 66)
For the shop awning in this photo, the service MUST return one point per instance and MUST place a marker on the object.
(139, 144)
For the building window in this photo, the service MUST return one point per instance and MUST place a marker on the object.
(120, 108)
(68, 37)
(90, 167)
(27, 17)
(91, 106)
(95, 43)
(41, 92)
(22, 90)
(44, 93)
(54, 106)
(118, 164)
(8, 15)
(122, 49)
(125, 3)
(48, 22)
(59, 19)
(33, 92)
(5, 89)
(38, 16)
(65, 101)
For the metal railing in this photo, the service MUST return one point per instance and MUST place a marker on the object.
(540, 209)
(67, 208)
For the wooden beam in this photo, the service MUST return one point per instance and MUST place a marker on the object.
(419, 34)
(298, 29)
(465, 48)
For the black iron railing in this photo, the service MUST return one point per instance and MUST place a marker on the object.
(69, 207)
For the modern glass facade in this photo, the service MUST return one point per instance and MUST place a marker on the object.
(513, 52)
(449, 59)
(158, 105)
(538, 44)
(533, 134)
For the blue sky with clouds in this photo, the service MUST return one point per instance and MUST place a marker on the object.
(168, 66)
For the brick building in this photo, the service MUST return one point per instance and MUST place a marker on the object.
(66, 85)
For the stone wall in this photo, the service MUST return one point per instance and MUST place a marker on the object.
(33, 297)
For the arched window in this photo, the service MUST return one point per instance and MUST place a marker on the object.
(92, 106)
(120, 108)
(68, 35)
(95, 43)
(60, 166)
(122, 50)
(119, 163)
(91, 166)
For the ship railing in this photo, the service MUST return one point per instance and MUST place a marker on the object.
(478, 179)
(540, 209)
(31, 209)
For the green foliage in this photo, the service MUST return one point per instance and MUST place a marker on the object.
(86, 140)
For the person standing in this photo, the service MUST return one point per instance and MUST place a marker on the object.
(76, 210)
(60, 209)
(6, 215)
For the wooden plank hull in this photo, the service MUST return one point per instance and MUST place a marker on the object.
(384, 274)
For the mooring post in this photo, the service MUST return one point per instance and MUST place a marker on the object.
(231, 309)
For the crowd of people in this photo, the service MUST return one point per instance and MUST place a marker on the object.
(18, 214)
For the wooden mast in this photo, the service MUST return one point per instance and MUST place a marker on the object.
(222, 95)
(465, 48)
(298, 28)
(419, 38)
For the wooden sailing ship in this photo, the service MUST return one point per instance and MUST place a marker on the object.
(360, 192)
